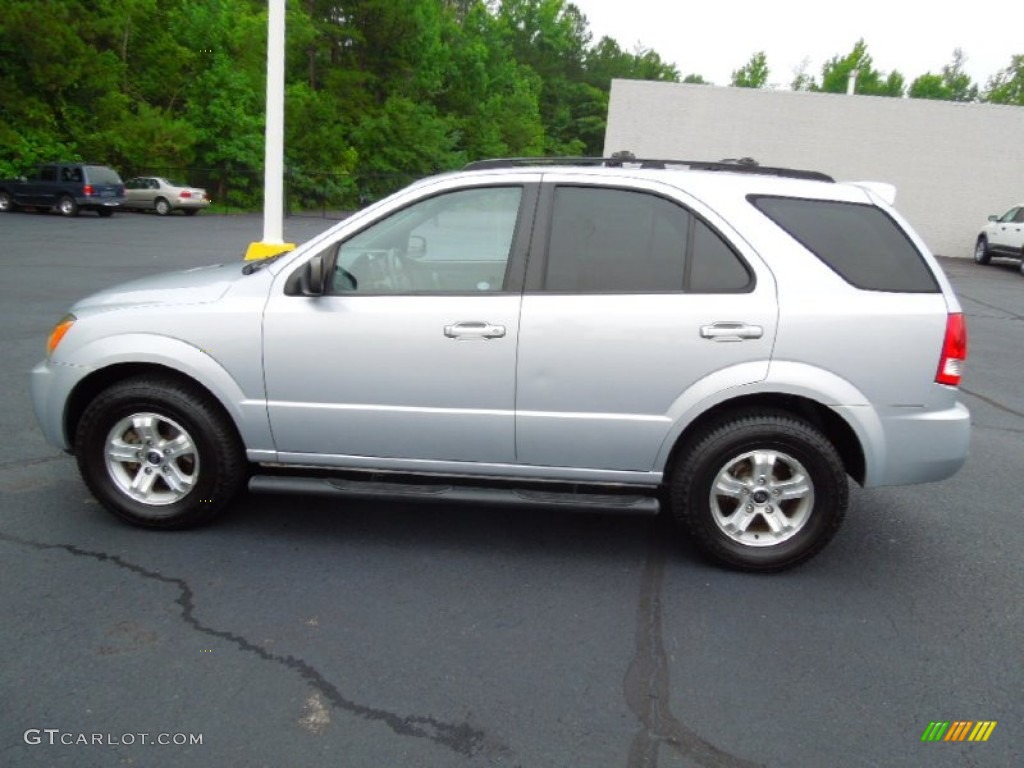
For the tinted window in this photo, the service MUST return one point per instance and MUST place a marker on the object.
(615, 240)
(48, 173)
(457, 242)
(859, 242)
(1009, 215)
(714, 266)
(1019, 217)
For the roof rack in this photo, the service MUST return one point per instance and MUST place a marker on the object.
(627, 159)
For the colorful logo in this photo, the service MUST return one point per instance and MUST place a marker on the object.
(958, 730)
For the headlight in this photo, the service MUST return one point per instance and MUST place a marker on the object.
(58, 333)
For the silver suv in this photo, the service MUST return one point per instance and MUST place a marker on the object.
(729, 341)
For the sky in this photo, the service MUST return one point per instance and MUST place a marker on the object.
(713, 39)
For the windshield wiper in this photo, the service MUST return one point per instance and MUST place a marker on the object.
(252, 266)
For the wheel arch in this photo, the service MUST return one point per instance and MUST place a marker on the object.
(836, 429)
(89, 387)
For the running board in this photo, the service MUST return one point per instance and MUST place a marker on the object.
(451, 494)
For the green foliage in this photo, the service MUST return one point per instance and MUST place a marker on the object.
(694, 79)
(377, 91)
(928, 86)
(836, 73)
(952, 85)
(753, 74)
(1007, 85)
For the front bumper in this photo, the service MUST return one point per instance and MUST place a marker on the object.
(50, 385)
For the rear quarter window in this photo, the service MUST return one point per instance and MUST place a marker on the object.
(860, 242)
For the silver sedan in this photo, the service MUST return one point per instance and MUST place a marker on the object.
(155, 193)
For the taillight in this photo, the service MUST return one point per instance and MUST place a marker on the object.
(87, 190)
(954, 351)
(184, 194)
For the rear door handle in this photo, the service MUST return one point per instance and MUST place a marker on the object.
(474, 329)
(731, 331)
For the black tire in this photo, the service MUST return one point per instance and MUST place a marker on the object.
(67, 206)
(729, 452)
(190, 211)
(161, 206)
(982, 255)
(6, 202)
(192, 445)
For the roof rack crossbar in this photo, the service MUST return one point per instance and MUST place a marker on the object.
(623, 160)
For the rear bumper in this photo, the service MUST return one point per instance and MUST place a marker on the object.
(190, 203)
(100, 202)
(915, 445)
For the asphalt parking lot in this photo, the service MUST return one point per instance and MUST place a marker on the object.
(296, 632)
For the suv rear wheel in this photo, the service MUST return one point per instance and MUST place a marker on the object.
(158, 453)
(760, 492)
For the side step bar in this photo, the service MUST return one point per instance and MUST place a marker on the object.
(452, 494)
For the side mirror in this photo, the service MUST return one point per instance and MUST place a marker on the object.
(994, 217)
(312, 279)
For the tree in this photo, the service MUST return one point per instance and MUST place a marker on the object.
(694, 79)
(952, 85)
(375, 90)
(929, 86)
(1007, 85)
(753, 74)
(958, 82)
(801, 80)
(835, 75)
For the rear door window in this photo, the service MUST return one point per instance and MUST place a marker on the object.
(860, 242)
(626, 241)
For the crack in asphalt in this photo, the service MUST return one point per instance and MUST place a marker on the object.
(646, 683)
(4, 466)
(461, 738)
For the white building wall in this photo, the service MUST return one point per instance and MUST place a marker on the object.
(953, 164)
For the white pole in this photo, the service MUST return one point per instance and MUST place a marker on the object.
(851, 82)
(273, 158)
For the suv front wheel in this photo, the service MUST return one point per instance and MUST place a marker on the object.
(981, 252)
(67, 206)
(159, 453)
(760, 492)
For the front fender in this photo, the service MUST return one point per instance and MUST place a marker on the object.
(247, 410)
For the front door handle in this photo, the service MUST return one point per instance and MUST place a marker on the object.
(474, 329)
(731, 331)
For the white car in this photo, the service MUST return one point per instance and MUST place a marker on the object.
(1002, 236)
(155, 193)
